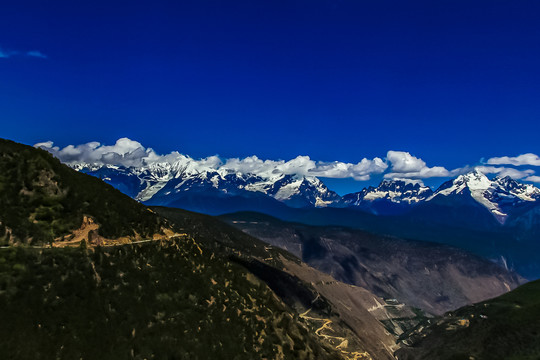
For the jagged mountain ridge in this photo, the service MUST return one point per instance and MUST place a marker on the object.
(390, 197)
(165, 183)
(172, 184)
(500, 195)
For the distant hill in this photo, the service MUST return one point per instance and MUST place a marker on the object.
(430, 276)
(506, 327)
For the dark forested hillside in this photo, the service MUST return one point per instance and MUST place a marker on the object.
(507, 327)
(42, 200)
(173, 300)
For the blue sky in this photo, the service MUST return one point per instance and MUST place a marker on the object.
(451, 82)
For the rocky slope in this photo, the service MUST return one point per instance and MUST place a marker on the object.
(435, 278)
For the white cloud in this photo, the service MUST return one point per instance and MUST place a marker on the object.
(404, 162)
(361, 171)
(504, 171)
(127, 152)
(124, 152)
(524, 159)
(46, 145)
(305, 166)
(404, 165)
(535, 179)
(397, 165)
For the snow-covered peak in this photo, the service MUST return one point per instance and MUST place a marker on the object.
(396, 191)
(526, 192)
(497, 195)
(473, 181)
(299, 191)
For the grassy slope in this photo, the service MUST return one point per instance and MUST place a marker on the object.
(507, 327)
(42, 199)
(152, 301)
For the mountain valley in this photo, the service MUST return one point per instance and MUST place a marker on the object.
(435, 278)
(495, 218)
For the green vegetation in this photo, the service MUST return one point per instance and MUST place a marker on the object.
(42, 199)
(507, 327)
(144, 301)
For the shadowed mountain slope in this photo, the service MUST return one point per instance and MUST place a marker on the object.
(433, 277)
(304, 288)
(506, 327)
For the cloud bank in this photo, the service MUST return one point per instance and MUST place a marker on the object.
(396, 165)
(504, 171)
(406, 166)
(127, 152)
(525, 159)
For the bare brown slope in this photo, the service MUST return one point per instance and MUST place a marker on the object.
(432, 277)
(359, 308)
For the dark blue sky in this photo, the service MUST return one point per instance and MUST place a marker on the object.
(449, 81)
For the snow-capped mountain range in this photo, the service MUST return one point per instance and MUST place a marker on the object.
(161, 183)
(171, 183)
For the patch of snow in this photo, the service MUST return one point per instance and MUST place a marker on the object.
(150, 191)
